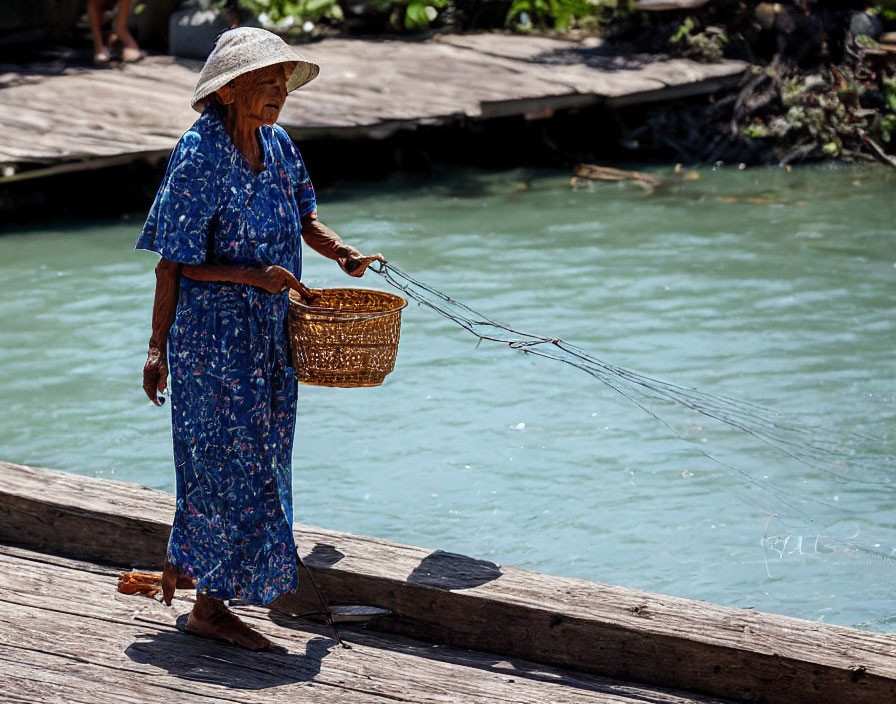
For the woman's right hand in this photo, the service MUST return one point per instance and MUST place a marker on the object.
(155, 375)
(275, 278)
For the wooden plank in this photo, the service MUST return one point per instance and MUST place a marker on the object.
(111, 640)
(50, 114)
(453, 599)
(35, 676)
(591, 68)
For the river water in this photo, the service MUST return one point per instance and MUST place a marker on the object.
(770, 286)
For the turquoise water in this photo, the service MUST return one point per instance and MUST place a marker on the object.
(764, 285)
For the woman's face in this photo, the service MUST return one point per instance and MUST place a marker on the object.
(258, 96)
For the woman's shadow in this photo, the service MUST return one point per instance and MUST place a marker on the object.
(213, 662)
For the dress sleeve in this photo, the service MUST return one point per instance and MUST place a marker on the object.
(298, 174)
(178, 223)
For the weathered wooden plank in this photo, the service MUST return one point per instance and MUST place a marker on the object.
(366, 88)
(106, 635)
(41, 678)
(33, 676)
(452, 599)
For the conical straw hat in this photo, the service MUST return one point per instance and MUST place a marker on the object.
(245, 49)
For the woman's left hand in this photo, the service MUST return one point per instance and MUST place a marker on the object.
(357, 265)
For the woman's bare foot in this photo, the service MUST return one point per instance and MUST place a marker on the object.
(211, 618)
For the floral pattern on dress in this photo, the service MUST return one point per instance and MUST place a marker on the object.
(233, 391)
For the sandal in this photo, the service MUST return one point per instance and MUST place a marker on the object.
(102, 57)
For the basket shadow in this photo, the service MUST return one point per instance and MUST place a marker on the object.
(450, 570)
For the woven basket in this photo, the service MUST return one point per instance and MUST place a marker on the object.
(347, 338)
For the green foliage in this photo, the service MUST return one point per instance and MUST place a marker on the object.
(792, 92)
(888, 127)
(866, 41)
(684, 31)
(705, 45)
(887, 123)
(563, 15)
(890, 93)
(419, 15)
(755, 130)
(412, 15)
(294, 11)
(886, 9)
(817, 114)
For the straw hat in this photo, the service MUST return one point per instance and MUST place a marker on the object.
(245, 49)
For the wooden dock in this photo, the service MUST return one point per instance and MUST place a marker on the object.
(461, 629)
(56, 117)
(67, 636)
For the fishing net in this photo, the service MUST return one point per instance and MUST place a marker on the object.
(834, 454)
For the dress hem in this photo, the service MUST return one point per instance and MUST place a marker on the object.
(243, 597)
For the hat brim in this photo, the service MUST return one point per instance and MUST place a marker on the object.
(302, 73)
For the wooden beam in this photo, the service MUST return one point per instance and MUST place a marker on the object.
(524, 106)
(613, 631)
(80, 165)
(675, 92)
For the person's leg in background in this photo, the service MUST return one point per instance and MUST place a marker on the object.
(95, 9)
(101, 55)
(131, 51)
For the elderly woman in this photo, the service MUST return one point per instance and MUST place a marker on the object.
(228, 221)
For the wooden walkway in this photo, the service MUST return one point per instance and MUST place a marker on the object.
(67, 636)
(59, 117)
(460, 629)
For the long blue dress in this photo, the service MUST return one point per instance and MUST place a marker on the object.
(233, 391)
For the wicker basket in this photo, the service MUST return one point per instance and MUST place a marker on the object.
(347, 338)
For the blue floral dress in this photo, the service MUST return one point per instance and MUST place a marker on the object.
(233, 391)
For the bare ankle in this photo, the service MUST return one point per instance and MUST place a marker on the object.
(206, 606)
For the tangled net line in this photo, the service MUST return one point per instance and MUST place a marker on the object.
(799, 441)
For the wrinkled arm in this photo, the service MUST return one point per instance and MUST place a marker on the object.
(155, 371)
(330, 245)
(253, 276)
(324, 241)
(270, 278)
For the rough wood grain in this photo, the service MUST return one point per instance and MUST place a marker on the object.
(64, 625)
(453, 599)
(50, 113)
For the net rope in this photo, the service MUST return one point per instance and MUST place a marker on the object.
(817, 447)
(814, 446)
